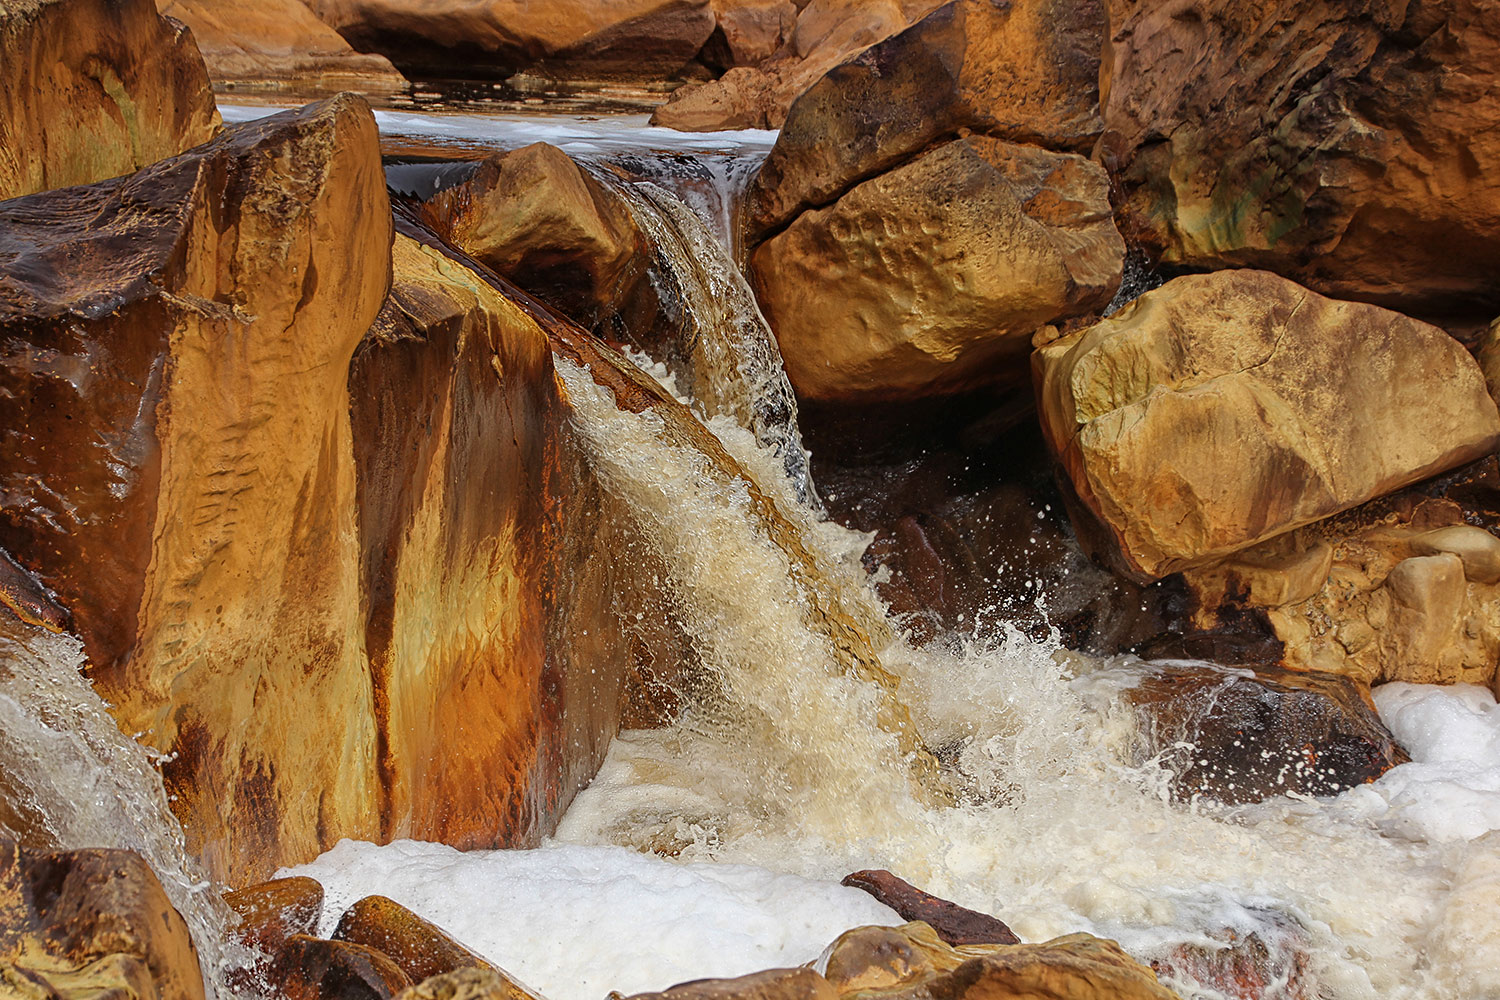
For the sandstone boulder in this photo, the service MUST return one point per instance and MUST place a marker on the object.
(93, 89)
(935, 274)
(537, 218)
(92, 923)
(631, 39)
(1026, 72)
(309, 968)
(773, 984)
(272, 43)
(1236, 736)
(1350, 145)
(1402, 588)
(953, 924)
(748, 32)
(420, 948)
(1322, 404)
(468, 984)
(271, 912)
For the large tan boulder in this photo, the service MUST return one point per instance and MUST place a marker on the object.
(1222, 409)
(633, 39)
(93, 89)
(537, 218)
(935, 274)
(1025, 71)
(1350, 144)
(273, 43)
(91, 923)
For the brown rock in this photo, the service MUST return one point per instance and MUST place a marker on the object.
(937, 273)
(1025, 71)
(469, 984)
(1325, 403)
(630, 39)
(537, 218)
(1237, 736)
(886, 958)
(1350, 145)
(275, 42)
(309, 968)
(1273, 959)
(83, 924)
(94, 89)
(748, 32)
(774, 984)
(272, 912)
(954, 924)
(420, 948)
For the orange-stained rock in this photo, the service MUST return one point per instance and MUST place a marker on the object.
(538, 219)
(773, 984)
(75, 925)
(1349, 144)
(748, 32)
(177, 468)
(420, 948)
(631, 39)
(1236, 736)
(271, 912)
(273, 43)
(1326, 404)
(469, 984)
(954, 924)
(93, 89)
(1271, 959)
(309, 968)
(936, 274)
(1025, 71)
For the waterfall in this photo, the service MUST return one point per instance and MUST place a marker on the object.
(71, 779)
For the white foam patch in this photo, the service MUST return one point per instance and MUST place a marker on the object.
(575, 922)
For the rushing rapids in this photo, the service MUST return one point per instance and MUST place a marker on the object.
(813, 740)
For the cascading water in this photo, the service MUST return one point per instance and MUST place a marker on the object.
(73, 780)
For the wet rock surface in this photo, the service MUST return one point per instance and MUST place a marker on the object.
(94, 89)
(1326, 403)
(1237, 736)
(309, 968)
(469, 984)
(84, 924)
(420, 948)
(272, 912)
(1348, 145)
(936, 273)
(954, 924)
(773, 984)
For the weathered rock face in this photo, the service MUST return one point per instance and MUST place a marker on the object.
(266, 44)
(936, 273)
(1324, 404)
(81, 924)
(1350, 144)
(631, 39)
(173, 413)
(94, 89)
(1247, 736)
(748, 32)
(1403, 588)
(1026, 72)
(537, 218)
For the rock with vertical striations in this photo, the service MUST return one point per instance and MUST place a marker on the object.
(93, 89)
(1325, 404)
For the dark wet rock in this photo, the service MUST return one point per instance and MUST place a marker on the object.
(90, 923)
(1271, 958)
(271, 912)
(419, 947)
(469, 984)
(94, 89)
(1236, 735)
(954, 924)
(309, 968)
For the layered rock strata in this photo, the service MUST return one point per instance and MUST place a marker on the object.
(94, 89)
(1223, 409)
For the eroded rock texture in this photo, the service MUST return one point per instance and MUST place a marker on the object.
(936, 273)
(1222, 409)
(1350, 144)
(93, 89)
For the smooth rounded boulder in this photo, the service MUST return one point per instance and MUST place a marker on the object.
(936, 274)
(1222, 409)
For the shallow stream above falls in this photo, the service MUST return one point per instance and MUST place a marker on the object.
(783, 772)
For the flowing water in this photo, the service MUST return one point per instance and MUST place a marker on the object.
(785, 765)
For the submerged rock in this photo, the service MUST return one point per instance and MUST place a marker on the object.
(93, 89)
(954, 924)
(91, 923)
(1350, 145)
(1026, 72)
(937, 273)
(1237, 736)
(1323, 404)
(276, 43)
